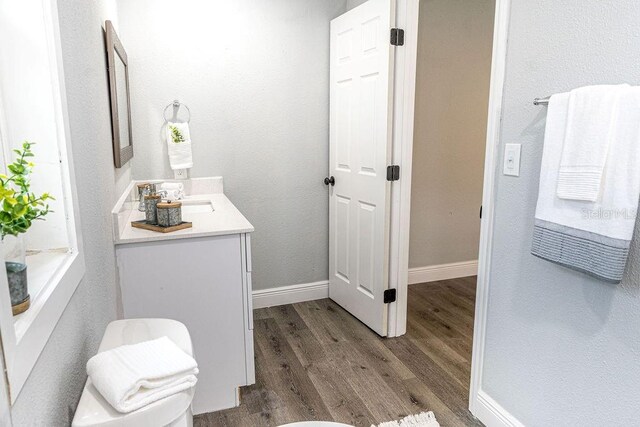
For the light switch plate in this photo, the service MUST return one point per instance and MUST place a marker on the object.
(511, 160)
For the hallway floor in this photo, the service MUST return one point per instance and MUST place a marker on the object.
(314, 361)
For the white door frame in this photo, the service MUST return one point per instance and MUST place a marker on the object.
(480, 404)
(402, 155)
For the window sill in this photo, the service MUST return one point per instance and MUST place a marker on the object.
(33, 328)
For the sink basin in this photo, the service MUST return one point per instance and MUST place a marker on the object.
(196, 206)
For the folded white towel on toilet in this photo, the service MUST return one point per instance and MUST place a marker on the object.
(179, 145)
(132, 376)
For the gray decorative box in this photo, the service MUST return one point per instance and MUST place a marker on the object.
(169, 213)
(151, 202)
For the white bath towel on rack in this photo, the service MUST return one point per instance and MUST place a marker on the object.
(591, 126)
(132, 376)
(591, 237)
(179, 145)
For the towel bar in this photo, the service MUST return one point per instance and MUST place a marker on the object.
(541, 101)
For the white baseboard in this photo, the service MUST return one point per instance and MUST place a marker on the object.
(290, 294)
(433, 273)
(492, 414)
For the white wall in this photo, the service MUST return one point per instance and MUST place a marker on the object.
(562, 348)
(255, 75)
(452, 91)
(51, 393)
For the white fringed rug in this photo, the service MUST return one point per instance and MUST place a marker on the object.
(424, 419)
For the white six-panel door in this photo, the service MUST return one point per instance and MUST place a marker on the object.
(361, 93)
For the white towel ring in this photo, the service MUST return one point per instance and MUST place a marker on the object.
(176, 104)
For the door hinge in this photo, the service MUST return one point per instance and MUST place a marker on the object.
(389, 296)
(393, 173)
(397, 37)
(480, 211)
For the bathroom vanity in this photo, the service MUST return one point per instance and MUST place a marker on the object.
(200, 276)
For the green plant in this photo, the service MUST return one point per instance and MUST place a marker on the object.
(176, 135)
(19, 206)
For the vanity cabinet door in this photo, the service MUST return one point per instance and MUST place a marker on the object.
(201, 282)
(247, 261)
(248, 301)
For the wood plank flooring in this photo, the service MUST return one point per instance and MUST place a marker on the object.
(314, 361)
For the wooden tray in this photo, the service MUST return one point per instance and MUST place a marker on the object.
(143, 224)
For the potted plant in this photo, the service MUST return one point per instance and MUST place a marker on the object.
(19, 207)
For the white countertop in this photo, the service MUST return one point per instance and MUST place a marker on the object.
(223, 219)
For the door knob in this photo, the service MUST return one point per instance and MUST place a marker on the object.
(330, 180)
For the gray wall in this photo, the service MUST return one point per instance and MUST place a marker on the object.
(452, 91)
(255, 75)
(353, 3)
(52, 391)
(562, 348)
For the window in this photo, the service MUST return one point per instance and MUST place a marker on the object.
(33, 108)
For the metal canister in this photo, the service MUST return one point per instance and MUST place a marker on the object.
(169, 213)
(151, 208)
(143, 190)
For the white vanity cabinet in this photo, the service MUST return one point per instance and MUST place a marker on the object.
(202, 279)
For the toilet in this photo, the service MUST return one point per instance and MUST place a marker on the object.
(172, 411)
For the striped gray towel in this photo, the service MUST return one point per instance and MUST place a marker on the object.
(591, 237)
